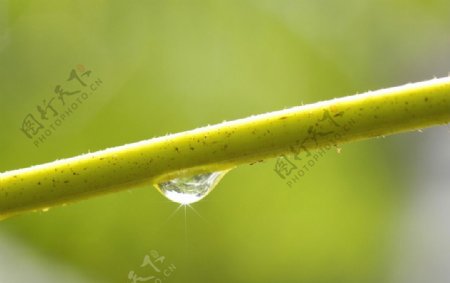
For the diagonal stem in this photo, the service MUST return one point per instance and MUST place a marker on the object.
(225, 145)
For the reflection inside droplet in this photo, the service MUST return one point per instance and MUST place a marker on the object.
(186, 190)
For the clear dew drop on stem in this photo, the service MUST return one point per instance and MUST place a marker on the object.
(186, 190)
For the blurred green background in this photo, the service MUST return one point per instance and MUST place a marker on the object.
(169, 66)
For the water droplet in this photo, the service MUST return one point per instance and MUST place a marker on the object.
(420, 130)
(186, 190)
(45, 209)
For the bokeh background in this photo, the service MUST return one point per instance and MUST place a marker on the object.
(375, 212)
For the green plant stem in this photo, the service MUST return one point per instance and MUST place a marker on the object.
(225, 145)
